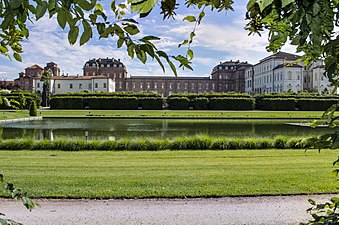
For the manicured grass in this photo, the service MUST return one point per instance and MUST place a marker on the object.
(123, 174)
(13, 114)
(183, 113)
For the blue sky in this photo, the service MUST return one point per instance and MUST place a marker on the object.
(220, 37)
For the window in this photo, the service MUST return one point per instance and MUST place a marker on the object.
(108, 65)
(199, 85)
(58, 85)
(80, 86)
(155, 85)
(148, 86)
(140, 85)
(105, 85)
(178, 85)
(38, 85)
(170, 86)
(96, 85)
(115, 75)
(93, 73)
(120, 84)
(207, 86)
(70, 86)
(115, 65)
(162, 85)
(89, 86)
(192, 85)
(186, 85)
(87, 73)
(120, 75)
(289, 74)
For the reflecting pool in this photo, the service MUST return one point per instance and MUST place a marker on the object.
(113, 129)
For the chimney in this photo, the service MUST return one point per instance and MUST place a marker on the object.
(119, 60)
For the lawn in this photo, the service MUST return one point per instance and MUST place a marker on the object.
(183, 113)
(134, 174)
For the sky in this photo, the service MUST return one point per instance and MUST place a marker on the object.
(220, 37)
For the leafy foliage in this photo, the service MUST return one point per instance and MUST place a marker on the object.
(309, 25)
(15, 194)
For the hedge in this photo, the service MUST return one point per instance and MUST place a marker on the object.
(66, 103)
(200, 103)
(178, 103)
(94, 103)
(231, 104)
(315, 104)
(276, 104)
(154, 103)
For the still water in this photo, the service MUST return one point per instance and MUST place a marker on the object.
(114, 129)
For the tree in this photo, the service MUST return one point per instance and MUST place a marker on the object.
(46, 79)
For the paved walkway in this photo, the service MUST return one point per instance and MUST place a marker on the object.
(237, 210)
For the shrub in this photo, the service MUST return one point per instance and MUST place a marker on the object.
(151, 103)
(315, 104)
(32, 109)
(200, 103)
(178, 103)
(284, 104)
(66, 102)
(231, 103)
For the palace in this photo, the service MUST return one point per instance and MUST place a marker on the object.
(279, 72)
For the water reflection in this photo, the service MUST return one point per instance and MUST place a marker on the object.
(114, 129)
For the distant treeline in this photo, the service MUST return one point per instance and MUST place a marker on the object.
(206, 101)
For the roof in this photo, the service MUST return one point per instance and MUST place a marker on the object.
(34, 67)
(168, 78)
(281, 55)
(234, 63)
(105, 61)
(287, 65)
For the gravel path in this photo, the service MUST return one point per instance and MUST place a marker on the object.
(234, 210)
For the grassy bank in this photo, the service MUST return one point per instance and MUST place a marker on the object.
(169, 173)
(182, 113)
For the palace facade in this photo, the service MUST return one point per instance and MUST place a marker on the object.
(279, 72)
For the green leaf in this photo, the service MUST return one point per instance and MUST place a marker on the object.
(120, 42)
(130, 50)
(264, 3)
(141, 55)
(311, 201)
(190, 54)
(3, 222)
(28, 203)
(87, 34)
(41, 10)
(16, 3)
(17, 56)
(86, 5)
(174, 70)
(73, 35)
(286, 2)
(143, 7)
(99, 7)
(190, 18)
(160, 63)
(150, 38)
(61, 18)
(131, 29)
(335, 200)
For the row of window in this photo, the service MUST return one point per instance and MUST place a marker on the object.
(103, 65)
(96, 85)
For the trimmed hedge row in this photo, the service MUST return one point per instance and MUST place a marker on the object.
(109, 103)
(207, 101)
(200, 142)
(231, 103)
